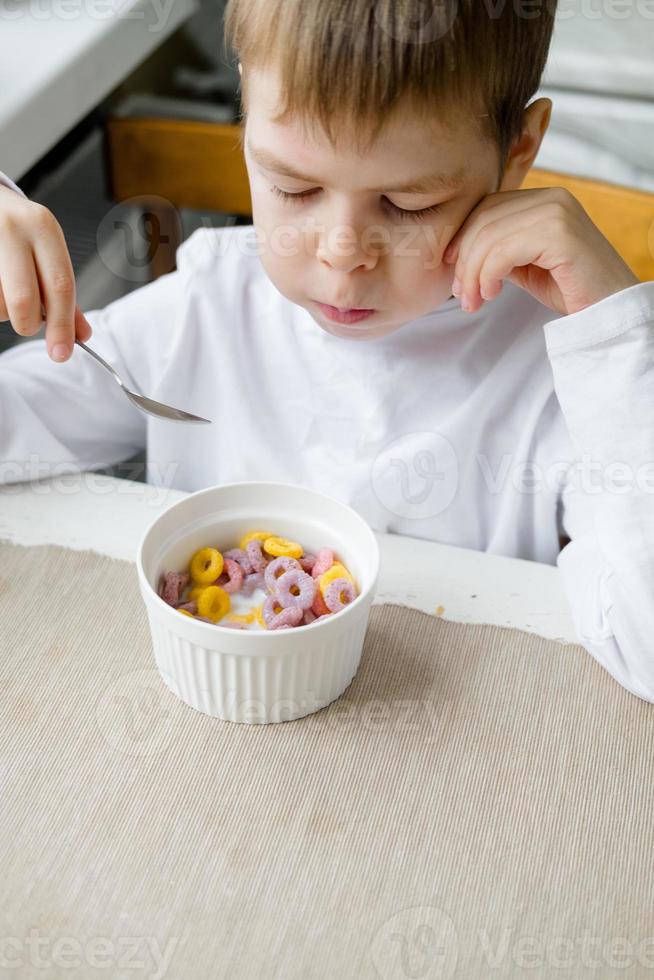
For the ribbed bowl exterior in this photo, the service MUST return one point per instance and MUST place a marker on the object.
(256, 677)
(259, 689)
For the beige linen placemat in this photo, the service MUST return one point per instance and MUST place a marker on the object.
(478, 803)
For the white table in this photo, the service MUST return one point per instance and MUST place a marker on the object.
(108, 515)
(60, 58)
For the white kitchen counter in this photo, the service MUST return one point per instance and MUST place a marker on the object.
(60, 58)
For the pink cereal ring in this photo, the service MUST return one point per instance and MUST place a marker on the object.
(294, 579)
(309, 617)
(339, 594)
(324, 561)
(235, 573)
(242, 557)
(257, 558)
(276, 569)
(173, 585)
(307, 562)
(319, 608)
(191, 607)
(252, 582)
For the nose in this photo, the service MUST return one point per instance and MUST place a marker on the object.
(343, 247)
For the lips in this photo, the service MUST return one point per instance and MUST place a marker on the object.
(339, 315)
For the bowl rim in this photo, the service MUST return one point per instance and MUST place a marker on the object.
(260, 483)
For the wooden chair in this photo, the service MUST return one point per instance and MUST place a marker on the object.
(172, 164)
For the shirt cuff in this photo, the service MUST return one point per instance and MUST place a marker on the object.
(600, 321)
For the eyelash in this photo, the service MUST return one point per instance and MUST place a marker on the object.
(403, 214)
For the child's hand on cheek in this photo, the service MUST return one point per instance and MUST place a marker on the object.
(540, 239)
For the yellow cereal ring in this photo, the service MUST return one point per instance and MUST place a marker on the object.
(338, 570)
(258, 614)
(185, 612)
(214, 603)
(246, 618)
(252, 536)
(195, 592)
(282, 547)
(205, 566)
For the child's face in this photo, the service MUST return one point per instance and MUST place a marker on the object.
(344, 244)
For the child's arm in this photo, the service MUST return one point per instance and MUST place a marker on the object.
(72, 415)
(602, 356)
(603, 364)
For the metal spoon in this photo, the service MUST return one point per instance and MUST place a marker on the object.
(147, 405)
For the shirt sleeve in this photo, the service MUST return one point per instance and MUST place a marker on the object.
(8, 182)
(72, 416)
(602, 360)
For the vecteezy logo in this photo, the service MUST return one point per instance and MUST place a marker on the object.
(418, 943)
(432, 21)
(136, 716)
(416, 476)
(130, 235)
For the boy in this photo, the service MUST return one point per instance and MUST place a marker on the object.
(326, 342)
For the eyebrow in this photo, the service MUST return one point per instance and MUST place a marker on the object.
(419, 185)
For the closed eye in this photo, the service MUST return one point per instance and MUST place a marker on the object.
(402, 213)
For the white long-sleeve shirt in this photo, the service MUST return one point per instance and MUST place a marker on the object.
(499, 430)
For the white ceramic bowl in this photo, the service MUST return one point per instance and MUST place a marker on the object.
(257, 676)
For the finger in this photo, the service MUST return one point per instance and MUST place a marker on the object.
(488, 239)
(55, 271)
(20, 287)
(83, 329)
(4, 315)
(490, 207)
(517, 250)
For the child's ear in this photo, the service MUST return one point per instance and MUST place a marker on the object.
(525, 149)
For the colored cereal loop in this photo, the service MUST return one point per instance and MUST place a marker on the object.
(206, 565)
(276, 568)
(172, 586)
(324, 561)
(185, 612)
(296, 588)
(282, 547)
(213, 603)
(252, 582)
(235, 573)
(339, 594)
(253, 536)
(336, 571)
(241, 556)
(319, 608)
(257, 558)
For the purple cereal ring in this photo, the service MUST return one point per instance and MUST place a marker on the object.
(295, 578)
(241, 556)
(252, 582)
(324, 561)
(255, 553)
(233, 625)
(307, 562)
(279, 565)
(286, 618)
(274, 619)
(335, 591)
(235, 576)
(173, 585)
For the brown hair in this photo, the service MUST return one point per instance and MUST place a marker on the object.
(347, 64)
